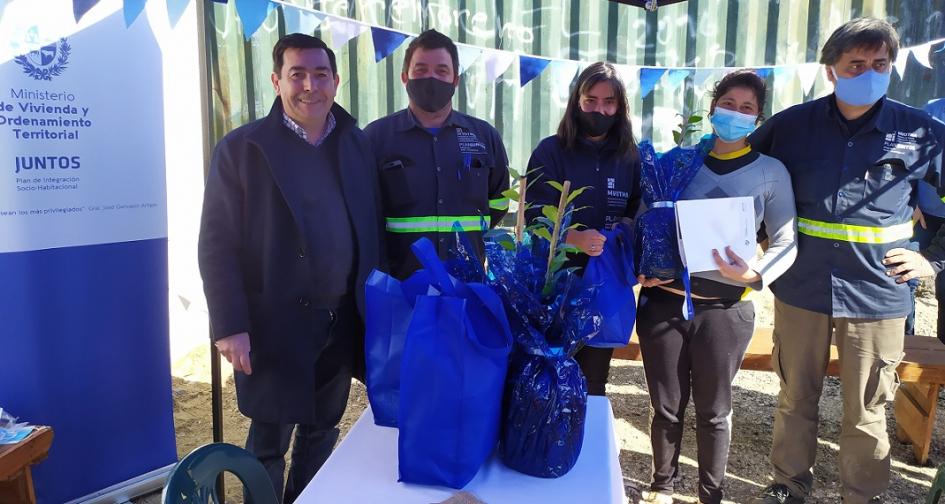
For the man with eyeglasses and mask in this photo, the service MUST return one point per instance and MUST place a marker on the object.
(855, 158)
(440, 169)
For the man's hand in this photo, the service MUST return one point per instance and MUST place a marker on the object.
(236, 350)
(590, 241)
(905, 264)
(652, 282)
(735, 268)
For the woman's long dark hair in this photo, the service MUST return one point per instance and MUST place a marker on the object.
(569, 131)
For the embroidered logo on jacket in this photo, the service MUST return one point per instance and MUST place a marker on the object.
(469, 143)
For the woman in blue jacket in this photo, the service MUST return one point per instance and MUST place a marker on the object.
(594, 148)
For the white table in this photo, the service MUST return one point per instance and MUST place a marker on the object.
(363, 469)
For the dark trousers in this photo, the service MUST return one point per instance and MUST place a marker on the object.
(702, 356)
(312, 443)
(595, 364)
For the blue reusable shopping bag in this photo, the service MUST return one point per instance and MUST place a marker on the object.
(385, 327)
(453, 370)
(389, 308)
(613, 274)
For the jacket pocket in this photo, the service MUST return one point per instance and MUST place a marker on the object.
(885, 188)
(396, 185)
(476, 182)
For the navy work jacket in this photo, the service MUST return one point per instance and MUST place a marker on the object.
(612, 182)
(432, 181)
(855, 194)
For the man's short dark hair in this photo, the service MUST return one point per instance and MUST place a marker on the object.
(300, 41)
(432, 39)
(741, 79)
(865, 32)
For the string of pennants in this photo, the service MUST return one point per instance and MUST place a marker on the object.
(495, 62)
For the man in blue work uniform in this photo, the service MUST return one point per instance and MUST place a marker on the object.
(854, 157)
(439, 168)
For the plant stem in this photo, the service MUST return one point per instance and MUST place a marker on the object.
(562, 203)
(520, 214)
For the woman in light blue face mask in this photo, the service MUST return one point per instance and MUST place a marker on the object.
(702, 355)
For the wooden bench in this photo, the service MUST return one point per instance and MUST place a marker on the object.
(16, 478)
(922, 373)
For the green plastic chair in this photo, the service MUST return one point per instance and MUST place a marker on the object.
(193, 479)
(938, 486)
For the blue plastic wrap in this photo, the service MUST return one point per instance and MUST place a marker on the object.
(663, 178)
(546, 393)
(544, 418)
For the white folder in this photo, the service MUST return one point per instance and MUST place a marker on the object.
(706, 224)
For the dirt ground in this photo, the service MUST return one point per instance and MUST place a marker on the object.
(748, 472)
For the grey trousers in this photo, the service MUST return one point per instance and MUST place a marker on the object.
(869, 350)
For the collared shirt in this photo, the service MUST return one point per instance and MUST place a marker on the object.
(864, 178)
(433, 180)
(300, 131)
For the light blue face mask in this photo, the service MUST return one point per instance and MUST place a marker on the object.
(732, 126)
(862, 90)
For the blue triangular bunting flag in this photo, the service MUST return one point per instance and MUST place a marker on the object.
(648, 79)
(132, 8)
(676, 77)
(80, 7)
(385, 42)
(175, 9)
(530, 67)
(763, 72)
(300, 21)
(252, 14)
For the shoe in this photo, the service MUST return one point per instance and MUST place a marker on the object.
(778, 494)
(652, 497)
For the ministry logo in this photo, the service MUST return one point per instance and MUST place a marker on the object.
(46, 62)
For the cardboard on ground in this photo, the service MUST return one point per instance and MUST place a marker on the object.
(715, 223)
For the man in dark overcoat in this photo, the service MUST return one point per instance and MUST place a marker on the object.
(289, 232)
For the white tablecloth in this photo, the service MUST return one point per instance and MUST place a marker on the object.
(363, 470)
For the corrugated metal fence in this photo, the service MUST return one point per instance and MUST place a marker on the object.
(698, 33)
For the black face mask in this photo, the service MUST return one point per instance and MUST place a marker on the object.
(595, 124)
(430, 94)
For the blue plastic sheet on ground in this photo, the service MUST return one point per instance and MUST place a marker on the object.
(613, 273)
(452, 376)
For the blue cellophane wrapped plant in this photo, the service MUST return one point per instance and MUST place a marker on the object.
(663, 178)
(552, 315)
